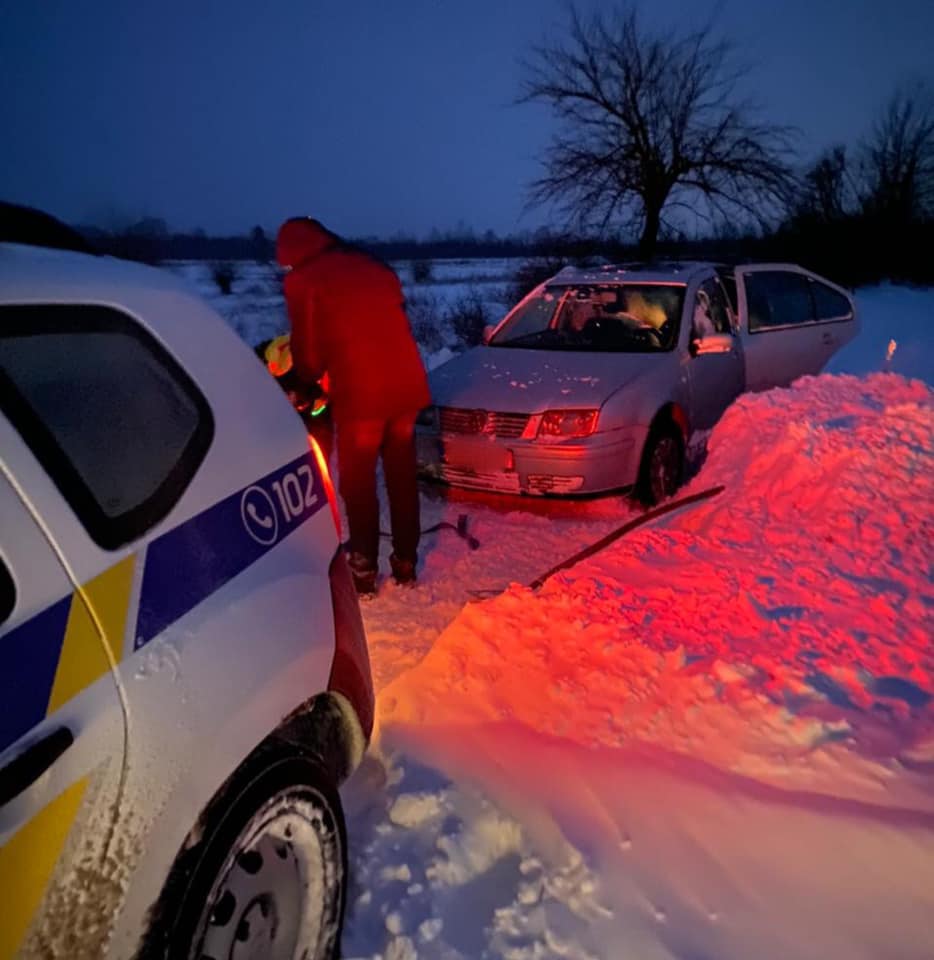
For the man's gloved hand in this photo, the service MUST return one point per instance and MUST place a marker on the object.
(308, 399)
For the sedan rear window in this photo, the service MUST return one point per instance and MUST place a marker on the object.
(600, 318)
(115, 421)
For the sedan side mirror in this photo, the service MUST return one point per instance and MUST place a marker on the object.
(712, 343)
(488, 333)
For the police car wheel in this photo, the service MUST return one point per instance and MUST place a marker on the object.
(271, 880)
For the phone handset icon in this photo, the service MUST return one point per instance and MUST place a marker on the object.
(258, 513)
(266, 523)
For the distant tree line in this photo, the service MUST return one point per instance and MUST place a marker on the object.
(150, 241)
(864, 212)
(653, 132)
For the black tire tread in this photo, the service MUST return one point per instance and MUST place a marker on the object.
(276, 766)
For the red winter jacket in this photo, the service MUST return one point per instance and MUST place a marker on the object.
(347, 319)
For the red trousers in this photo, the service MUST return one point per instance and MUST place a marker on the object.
(360, 444)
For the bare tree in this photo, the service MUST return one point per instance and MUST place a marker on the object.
(898, 158)
(828, 192)
(650, 123)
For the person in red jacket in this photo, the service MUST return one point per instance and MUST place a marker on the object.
(347, 320)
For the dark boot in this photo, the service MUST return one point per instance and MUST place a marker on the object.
(403, 571)
(364, 573)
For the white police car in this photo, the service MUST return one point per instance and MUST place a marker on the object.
(184, 679)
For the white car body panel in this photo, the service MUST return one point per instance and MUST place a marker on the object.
(209, 685)
(85, 779)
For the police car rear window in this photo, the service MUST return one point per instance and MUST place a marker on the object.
(116, 422)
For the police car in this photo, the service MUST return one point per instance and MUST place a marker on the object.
(184, 679)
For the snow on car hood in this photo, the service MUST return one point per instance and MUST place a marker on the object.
(529, 381)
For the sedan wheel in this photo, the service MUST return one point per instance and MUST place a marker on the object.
(662, 467)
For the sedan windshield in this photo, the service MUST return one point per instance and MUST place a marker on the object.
(601, 318)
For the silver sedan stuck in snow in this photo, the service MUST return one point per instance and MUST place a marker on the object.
(603, 378)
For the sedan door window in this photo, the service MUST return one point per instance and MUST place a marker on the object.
(711, 314)
(828, 303)
(777, 298)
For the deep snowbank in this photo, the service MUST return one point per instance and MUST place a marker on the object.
(715, 739)
(787, 622)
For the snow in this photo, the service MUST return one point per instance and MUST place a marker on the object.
(256, 310)
(714, 739)
(902, 314)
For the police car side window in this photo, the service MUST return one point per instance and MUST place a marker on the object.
(115, 421)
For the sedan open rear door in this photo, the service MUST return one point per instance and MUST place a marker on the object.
(791, 323)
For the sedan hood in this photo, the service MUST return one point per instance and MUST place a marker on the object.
(511, 380)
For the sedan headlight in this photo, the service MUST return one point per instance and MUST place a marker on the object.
(568, 423)
(428, 417)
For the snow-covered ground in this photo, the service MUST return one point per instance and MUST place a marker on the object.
(255, 308)
(714, 739)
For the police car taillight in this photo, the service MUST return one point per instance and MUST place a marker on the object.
(350, 671)
(322, 463)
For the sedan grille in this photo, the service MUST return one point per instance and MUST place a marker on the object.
(502, 426)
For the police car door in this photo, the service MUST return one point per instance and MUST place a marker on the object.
(102, 432)
(62, 731)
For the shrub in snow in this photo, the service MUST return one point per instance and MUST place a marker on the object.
(424, 312)
(467, 318)
(421, 271)
(530, 273)
(224, 273)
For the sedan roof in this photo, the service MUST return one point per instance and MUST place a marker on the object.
(666, 271)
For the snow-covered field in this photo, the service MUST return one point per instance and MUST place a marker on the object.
(714, 739)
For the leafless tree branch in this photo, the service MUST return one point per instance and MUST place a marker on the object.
(897, 159)
(649, 121)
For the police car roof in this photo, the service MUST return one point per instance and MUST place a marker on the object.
(30, 274)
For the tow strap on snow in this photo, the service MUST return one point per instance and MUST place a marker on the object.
(460, 528)
(623, 530)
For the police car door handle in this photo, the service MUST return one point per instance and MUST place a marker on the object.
(27, 767)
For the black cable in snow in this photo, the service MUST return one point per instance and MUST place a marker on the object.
(460, 528)
(624, 529)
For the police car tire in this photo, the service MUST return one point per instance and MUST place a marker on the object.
(281, 773)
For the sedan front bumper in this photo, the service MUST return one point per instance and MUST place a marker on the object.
(601, 462)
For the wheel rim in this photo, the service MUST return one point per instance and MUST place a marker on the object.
(664, 468)
(277, 893)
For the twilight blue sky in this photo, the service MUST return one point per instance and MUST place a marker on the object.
(376, 116)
